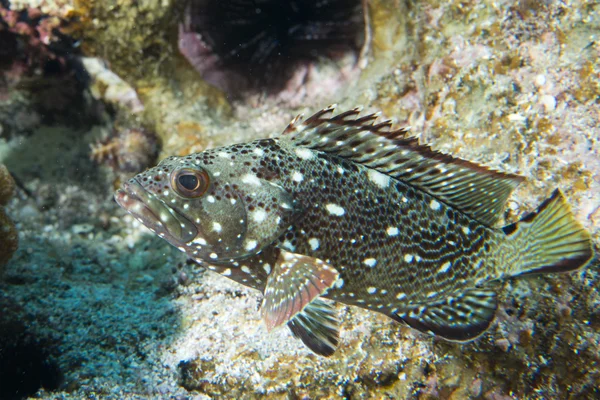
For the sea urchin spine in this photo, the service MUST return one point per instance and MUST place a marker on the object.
(256, 45)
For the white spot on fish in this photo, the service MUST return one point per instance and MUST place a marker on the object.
(200, 240)
(339, 283)
(371, 290)
(259, 215)
(186, 206)
(210, 199)
(222, 154)
(166, 193)
(288, 245)
(251, 244)
(445, 267)
(304, 153)
(341, 170)
(213, 256)
(258, 151)
(314, 243)
(370, 262)
(297, 176)
(392, 231)
(227, 272)
(466, 230)
(378, 178)
(434, 205)
(251, 179)
(217, 227)
(335, 209)
(267, 268)
(408, 258)
(245, 269)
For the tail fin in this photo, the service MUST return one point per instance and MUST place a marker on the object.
(551, 240)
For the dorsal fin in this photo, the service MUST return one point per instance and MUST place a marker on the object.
(476, 190)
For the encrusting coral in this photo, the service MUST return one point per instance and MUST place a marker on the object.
(8, 233)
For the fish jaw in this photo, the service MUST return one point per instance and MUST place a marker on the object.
(155, 214)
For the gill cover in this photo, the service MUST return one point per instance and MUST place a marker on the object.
(270, 210)
(236, 217)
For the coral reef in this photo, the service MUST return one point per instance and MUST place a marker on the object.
(9, 239)
(514, 85)
(168, 85)
(41, 78)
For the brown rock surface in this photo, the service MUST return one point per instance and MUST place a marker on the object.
(8, 233)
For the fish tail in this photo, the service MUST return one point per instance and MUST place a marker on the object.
(550, 239)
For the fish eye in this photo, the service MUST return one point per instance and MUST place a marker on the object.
(190, 182)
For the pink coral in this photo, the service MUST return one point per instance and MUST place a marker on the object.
(26, 41)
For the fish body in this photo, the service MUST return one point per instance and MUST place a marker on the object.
(344, 208)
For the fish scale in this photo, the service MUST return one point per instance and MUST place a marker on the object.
(343, 208)
(421, 236)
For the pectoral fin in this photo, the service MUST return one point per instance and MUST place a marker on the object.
(295, 282)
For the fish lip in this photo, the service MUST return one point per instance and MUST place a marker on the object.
(134, 199)
(148, 208)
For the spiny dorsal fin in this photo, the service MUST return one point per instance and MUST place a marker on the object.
(476, 190)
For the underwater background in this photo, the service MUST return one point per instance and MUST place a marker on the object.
(92, 305)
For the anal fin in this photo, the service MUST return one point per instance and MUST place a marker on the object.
(318, 327)
(461, 317)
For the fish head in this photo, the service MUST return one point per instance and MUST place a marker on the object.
(211, 208)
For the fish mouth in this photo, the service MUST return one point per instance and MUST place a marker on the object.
(154, 213)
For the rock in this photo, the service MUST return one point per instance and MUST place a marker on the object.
(9, 238)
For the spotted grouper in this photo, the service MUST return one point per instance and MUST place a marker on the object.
(345, 208)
